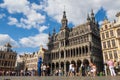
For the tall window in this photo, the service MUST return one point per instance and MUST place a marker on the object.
(104, 45)
(113, 43)
(111, 33)
(107, 34)
(105, 55)
(103, 36)
(115, 54)
(118, 32)
(108, 44)
(110, 55)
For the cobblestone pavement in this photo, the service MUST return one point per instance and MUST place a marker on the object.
(58, 78)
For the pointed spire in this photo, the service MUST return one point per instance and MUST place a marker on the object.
(88, 17)
(64, 14)
(54, 31)
(92, 13)
(49, 37)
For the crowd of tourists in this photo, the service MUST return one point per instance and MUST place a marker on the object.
(84, 70)
(110, 68)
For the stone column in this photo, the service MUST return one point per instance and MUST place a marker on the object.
(81, 52)
(75, 52)
(64, 68)
(59, 55)
(55, 66)
(70, 53)
(51, 69)
(59, 65)
(78, 51)
(64, 62)
(88, 50)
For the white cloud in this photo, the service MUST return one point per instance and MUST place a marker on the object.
(36, 7)
(31, 17)
(34, 41)
(2, 15)
(4, 38)
(42, 28)
(12, 21)
(77, 9)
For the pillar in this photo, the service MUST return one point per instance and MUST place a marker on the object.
(51, 71)
(75, 52)
(64, 68)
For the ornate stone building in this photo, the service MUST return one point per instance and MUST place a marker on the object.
(110, 39)
(78, 45)
(7, 58)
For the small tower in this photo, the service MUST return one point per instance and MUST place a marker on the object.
(64, 21)
(88, 18)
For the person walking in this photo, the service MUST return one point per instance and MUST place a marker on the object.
(111, 67)
(93, 69)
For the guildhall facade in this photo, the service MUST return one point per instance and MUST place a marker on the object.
(110, 39)
(78, 45)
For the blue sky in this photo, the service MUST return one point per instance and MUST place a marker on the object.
(26, 23)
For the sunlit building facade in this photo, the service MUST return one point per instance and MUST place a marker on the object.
(30, 61)
(110, 39)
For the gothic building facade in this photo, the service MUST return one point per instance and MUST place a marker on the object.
(78, 45)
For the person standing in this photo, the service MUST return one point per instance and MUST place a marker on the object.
(70, 69)
(111, 67)
(105, 69)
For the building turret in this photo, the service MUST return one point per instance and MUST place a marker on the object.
(49, 37)
(118, 16)
(64, 21)
(8, 46)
